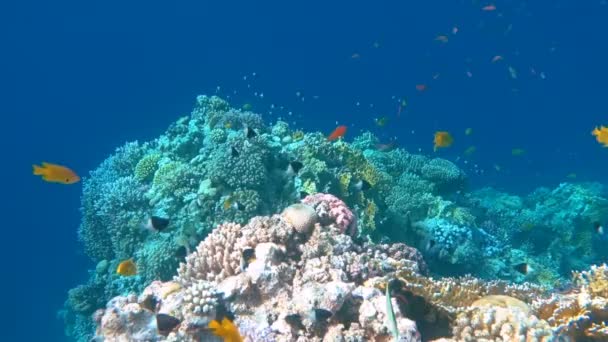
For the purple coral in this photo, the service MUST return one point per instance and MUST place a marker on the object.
(330, 209)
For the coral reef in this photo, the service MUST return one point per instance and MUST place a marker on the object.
(322, 285)
(214, 183)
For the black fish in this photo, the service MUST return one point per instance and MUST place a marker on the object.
(250, 133)
(149, 303)
(322, 315)
(362, 185)
(523, 268)
(295, 321)
(158, 223)
(294, 167)
(234, 152)
(166, 323)
(303, 194)
(246, 257)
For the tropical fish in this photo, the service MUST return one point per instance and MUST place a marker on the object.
(149, 303)
(442, 139)
(512, 72)
(247, 257)
(381, 122)
(321, 315)
(598, 228)
(54, 173)
(228, 125)
(166, 323)
(294, 167)
(250, 133)
(470, 150)
(497, 58)
(295, 321)
(442, 38)
(157, 223)
(127, 268)
(518, 152)
(571, 175)
(468, 131)
(386, 147)
(362, 185)
(355, 56)
(523, 268)
(247, 106)
(339, 132)
(226, 330)
(231, 203)
(392, 322)
(489, 8)
(234, 152)
(601, 135)
(421, 87)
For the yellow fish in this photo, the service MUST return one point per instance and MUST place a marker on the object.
(56, 173)
(601, 135)
(226, 330)
(518, 152)
(127, 268)
(442, 139)
(228, 125)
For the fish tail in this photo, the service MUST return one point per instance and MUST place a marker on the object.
(38, 170)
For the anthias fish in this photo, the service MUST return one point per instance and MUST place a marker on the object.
(54, 173)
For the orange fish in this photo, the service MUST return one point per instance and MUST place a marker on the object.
(601, 135)
(337, 133)
(56, 173)
(127, 268)
(421, 87)
(226, 330)
(442, 139)
(489, 8)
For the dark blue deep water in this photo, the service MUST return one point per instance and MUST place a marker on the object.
(80, 78)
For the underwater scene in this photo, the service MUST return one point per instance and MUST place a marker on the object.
(310, 171)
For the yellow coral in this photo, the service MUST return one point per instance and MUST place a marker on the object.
(309, 186)
(596, 280)
(344, 178)
(369, 214)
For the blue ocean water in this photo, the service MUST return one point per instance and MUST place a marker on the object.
(81, 78)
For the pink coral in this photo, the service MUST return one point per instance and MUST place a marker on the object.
(331, 208)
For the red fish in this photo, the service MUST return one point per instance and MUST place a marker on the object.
(421, 87)
(337, 133)
(489, 8)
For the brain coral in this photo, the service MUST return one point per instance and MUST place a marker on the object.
(301, 216)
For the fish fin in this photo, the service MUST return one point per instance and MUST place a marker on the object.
(38, 170)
